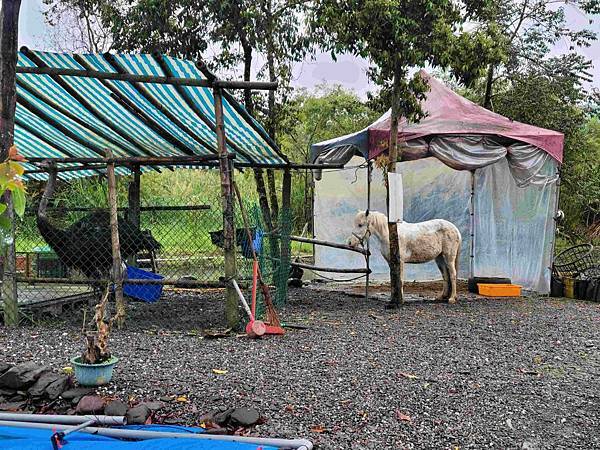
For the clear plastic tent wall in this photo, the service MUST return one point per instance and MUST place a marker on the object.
(513, 226)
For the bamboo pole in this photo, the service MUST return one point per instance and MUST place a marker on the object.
(133, 203)
(225, 169)
(9, 24)
(117, 274)
(362, 251)
(219, 84)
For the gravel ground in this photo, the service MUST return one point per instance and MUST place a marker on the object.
(502, 373)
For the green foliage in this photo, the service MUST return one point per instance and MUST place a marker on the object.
(580, 191)
(11, 171)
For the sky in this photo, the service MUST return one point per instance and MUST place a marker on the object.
(348, 71)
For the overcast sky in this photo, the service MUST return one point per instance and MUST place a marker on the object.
(348, 71)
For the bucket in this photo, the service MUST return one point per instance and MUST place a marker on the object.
(146, 292)
(569, 287)
(93, 374)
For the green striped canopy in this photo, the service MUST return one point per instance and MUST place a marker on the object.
(72, 116)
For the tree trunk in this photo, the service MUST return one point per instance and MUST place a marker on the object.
(226, 171)
(247, 73)
(395, 263)
(272, 119)
(9, 24)
(487, 100)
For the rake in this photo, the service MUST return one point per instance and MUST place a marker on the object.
(272, 323)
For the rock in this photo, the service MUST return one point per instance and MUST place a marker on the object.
(38, 389)
(90, 404)
(4, 367)
(154, 406)
(76, 393)
(244, 417)
(138, 415)
(7, 392)
(13, 406)
(21, 376)
(54, 389)
(115, 408)
(222, 417)
(167, 398)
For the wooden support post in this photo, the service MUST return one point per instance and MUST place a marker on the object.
(9, 24)
(117, 271)
(133, 203)
(285, 227)
(368, 249)
(226, 171)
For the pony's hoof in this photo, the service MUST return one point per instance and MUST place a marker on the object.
(452, 300)
(392, 305)
(441, 298)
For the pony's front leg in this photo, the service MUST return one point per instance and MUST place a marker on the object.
(452, 275)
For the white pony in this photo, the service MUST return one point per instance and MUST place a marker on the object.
(421, 242)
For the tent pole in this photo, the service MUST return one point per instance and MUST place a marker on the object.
(472, 228)
(555, 218)
(368, 255)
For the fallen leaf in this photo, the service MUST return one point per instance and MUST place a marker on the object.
(182, 399)
(219, 371)
(403, 417)
(537, 359)
(410, 376)
(318, 429)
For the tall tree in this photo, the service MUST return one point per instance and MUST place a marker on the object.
(531, 28)
(397, 36)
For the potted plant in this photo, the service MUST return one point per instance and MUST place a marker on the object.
(95, 366)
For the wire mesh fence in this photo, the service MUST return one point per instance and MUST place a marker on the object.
(65, 253)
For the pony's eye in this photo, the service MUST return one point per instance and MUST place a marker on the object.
(360, 225)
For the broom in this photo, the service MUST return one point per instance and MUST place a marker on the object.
(273, 325)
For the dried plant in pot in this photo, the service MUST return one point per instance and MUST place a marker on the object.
(95, 366)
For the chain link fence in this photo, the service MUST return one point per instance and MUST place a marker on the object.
(65, 254)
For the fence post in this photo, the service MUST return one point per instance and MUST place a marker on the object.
(226, 171)
(115, 244)
(133, 205)
(285, 227)
(9, 18)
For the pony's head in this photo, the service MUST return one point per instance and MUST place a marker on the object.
(360, 232)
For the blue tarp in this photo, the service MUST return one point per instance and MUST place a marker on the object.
(13, 438)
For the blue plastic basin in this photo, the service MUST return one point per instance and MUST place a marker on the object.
(93, 374)
(146, 292)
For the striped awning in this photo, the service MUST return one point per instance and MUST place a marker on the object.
(60, 116)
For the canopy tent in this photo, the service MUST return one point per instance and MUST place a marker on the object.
(496, 179)
(458, 132)
(75, 105)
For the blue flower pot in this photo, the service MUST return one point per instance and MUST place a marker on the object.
(93, 374)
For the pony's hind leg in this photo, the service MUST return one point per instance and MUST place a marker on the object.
(441, 263)
(450, 261)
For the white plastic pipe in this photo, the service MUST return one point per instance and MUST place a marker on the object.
(296, 444)
(62, 419)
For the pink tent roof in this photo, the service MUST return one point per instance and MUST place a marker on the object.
(449, 113)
